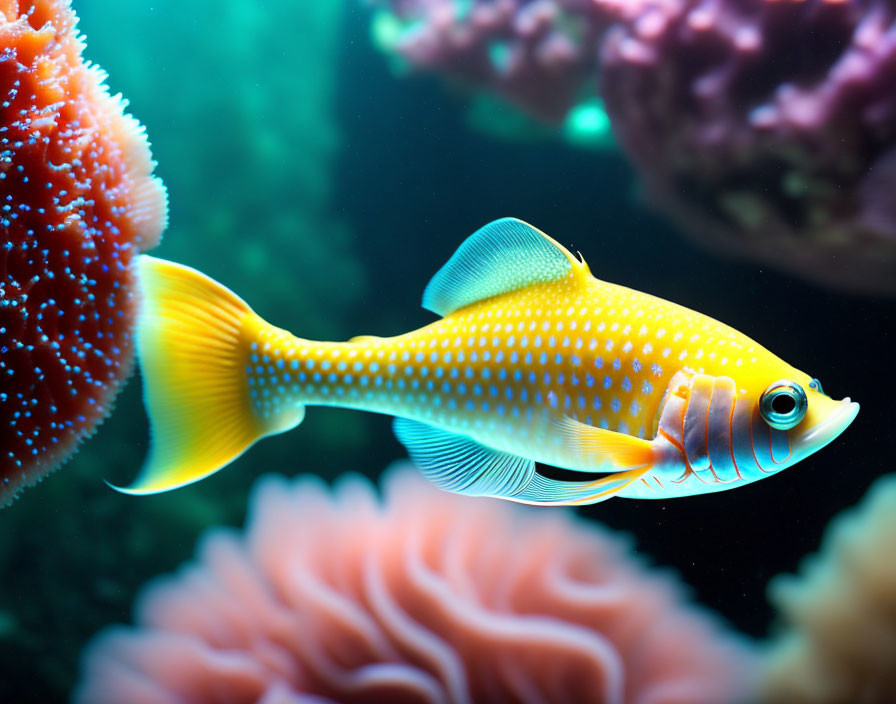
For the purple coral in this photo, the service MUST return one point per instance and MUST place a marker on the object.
(767, 127)
(764, 127)
(538, 55)
(424, 597)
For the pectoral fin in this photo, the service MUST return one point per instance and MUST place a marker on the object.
(632, 455)
(621, 450)
(460, 464)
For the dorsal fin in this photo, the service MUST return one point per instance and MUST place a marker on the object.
(366, 338)
(505, 255)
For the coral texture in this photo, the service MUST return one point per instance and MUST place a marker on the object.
(537, 54)
(840, 645)
(79, 202)
(424, 597)
(265, 215)
(765, 128)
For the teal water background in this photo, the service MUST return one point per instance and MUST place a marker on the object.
(326, 190)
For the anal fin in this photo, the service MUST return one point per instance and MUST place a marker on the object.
(543, 491)
(461, 465)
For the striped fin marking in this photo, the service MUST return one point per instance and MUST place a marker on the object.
(505, 255)
(461, 465)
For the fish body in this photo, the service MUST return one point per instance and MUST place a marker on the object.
(533, 361)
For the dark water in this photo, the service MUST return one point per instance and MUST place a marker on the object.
(330, 220)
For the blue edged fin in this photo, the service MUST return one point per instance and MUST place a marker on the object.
(461, 465)
(458, 464)
(505, 255)
(543, 491)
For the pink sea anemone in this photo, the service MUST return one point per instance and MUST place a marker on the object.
(424, 596)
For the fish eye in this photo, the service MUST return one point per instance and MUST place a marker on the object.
(815, 385)
(783, 405)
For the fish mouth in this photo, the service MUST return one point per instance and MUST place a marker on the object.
(822, 433)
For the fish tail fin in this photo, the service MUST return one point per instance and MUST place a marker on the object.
(194, 341)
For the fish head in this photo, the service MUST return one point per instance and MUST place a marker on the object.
(798, 407)
(729, 430)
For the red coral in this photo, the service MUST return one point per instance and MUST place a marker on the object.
(78, 202)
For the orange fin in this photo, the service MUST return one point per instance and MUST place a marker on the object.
(621, 450)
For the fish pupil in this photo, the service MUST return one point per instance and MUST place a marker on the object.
(783, 404)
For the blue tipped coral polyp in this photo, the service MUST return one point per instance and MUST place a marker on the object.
(77, 202)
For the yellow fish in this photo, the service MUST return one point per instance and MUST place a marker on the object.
(533, 361)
